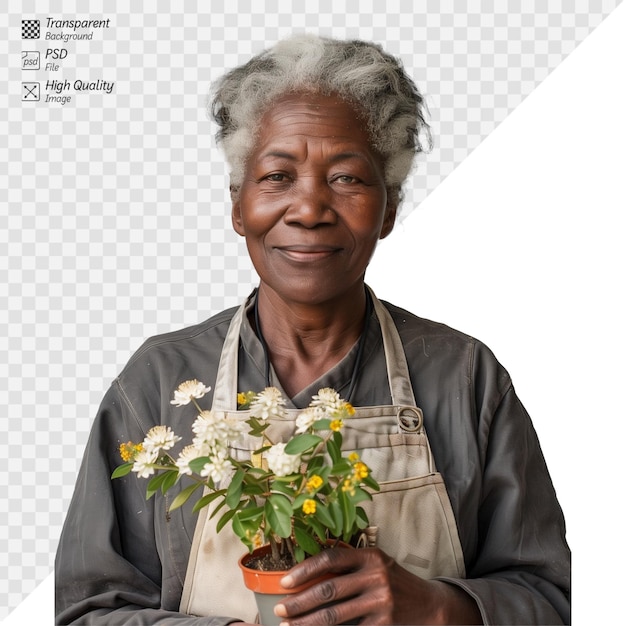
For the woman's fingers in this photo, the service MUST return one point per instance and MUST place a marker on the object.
(363, 591)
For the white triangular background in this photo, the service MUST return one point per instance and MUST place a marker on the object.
(522, 247)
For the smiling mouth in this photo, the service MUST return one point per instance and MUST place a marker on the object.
(305, 254)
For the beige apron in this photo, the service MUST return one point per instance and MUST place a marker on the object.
(411, 516)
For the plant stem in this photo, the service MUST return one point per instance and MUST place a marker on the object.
(274, 547)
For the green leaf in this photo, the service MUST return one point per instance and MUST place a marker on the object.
(257, 426)
(245, 530)
(317, 526)
(324, 515)
(239, 528)
(183, 496)
(333, 451)
(299, 553)
(348, 511)
(323, 424)
(235, 489)
(207, 499)
(302, 443)
(306, 542)
(360, 495)
(278, 514)
(285, 479)
(171, 478)
(196, 465)
(217, 509)
(299, 500)
(315, 464)
(362, 520)
(368, 481)
(338, 439)
(337, 515)
(224, 520)
(289, 491)
(250, 513)
(253, 490)
(341, 467)
(122, 470)
(155, 484)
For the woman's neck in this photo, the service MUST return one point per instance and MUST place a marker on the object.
(305, 340)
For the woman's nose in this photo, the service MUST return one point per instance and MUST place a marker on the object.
(311, 204)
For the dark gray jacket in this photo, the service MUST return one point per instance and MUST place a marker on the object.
(122, 560)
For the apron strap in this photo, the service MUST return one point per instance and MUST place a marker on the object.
(397, 367)
(225, 393)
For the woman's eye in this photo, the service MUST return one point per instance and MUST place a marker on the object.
(346, 179)
(276, 177)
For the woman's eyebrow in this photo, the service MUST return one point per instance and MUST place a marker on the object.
(340, 156)
(278, 154)
(344, 156)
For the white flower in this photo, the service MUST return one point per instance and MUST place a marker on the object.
(188, 453)
(219, 468)
(144, 461)
(216, 430)
(307, 418)
(327, 399)
(268, 404)
(233, 428)
(160, 438)
(204, 448)
(281, 463)
(188, 390)
(205, 426)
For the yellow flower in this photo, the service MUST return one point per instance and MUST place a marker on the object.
(348, 486)
(129, 450)
(336, 425)
(349, 409)
(256, 540)
(309, 507)
(244, 398)
(361, 470)
(354, 457)
(315, 482)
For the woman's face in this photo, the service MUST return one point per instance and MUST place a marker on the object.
(313, 202)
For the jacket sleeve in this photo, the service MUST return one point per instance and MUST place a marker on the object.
(519, 571)
(108, 565)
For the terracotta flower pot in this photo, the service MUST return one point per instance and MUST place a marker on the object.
(266, 586)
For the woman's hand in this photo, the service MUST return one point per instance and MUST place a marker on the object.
(370, 585)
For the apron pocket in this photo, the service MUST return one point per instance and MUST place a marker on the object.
(416, 526)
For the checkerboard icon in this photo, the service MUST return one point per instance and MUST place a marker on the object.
(30, 29)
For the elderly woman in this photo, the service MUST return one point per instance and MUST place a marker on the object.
(320, 136)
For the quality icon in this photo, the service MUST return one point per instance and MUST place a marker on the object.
(30, 92)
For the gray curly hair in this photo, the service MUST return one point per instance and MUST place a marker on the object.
(360, 72)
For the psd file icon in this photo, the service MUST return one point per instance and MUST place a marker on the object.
(30, 29)
(30, 60)
(30, 92)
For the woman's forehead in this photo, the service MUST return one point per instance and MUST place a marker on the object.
(308, 118)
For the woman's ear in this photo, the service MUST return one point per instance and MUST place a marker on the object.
(236, 211)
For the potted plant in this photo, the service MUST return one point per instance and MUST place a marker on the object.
(289, 498)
